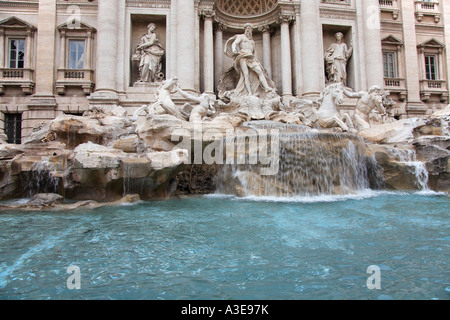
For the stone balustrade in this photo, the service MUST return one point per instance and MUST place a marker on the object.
(17, 77)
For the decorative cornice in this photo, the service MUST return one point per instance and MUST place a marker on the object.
(20, 4)
(148, 3)
(342, 14)
(339, 2)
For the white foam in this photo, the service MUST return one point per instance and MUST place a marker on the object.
(363, 194)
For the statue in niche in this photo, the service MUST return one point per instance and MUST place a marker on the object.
(336, 59)
(149, 54)
(247, 77)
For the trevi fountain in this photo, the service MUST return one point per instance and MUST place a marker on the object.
(239, 195)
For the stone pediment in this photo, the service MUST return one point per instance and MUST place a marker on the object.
(75, 26)
(433, 43)
(392, 40)
(16, 23)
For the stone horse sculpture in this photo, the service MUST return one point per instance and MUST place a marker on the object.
(328, 115)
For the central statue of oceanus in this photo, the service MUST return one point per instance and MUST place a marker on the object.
(247, 77)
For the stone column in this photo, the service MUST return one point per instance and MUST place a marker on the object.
(62, 50)
(46, 48)
(171, 67)
(208, 56)
(446, 10)
(42, 105)
(372, 42)
(218, 54)
(267, 51)
(88, 51)
(120, 85)
(106, 66)
(312, 45)
(286, 62)
(185, 44)
(2, 47)
(28, 48)
(414, 105)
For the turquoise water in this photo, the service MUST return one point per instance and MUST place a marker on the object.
(227, 248)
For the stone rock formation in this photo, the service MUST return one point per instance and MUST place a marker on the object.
(104, 156)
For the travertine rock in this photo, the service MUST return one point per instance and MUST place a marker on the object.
(395, 132)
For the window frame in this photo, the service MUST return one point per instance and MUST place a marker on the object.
(69, 52)
(430, 74)
(394, 63)
(9, 41)
(17, 129)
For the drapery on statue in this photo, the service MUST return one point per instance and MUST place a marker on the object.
(336, 59)
(149, 53)
(252, 76)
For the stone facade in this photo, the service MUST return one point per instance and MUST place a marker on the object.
(62, 56)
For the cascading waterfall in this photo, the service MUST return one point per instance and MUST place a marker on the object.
(418, 168)
(310, 163)
(131, 184)
(41, 178)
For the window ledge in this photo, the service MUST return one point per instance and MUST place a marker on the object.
(17, 77)
(83, 78)
(390, 6)
(433, 87)
(424, 8)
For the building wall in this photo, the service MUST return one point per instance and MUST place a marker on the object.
(410, 29)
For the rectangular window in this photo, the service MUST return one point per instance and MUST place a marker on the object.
(431, 67)
(16, 53)
(13, 127)
(389, 65)
(76, 54)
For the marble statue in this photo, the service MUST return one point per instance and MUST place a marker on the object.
(336, 58)
(204, 106)
(327, 114)
(367, 101)
(164, 103)
(149, 54)
(245, 88)
(252, 76)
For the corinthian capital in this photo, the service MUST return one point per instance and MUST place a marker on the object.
(207, 13)
(287, 18)
(265, 28)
